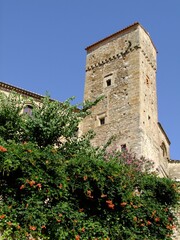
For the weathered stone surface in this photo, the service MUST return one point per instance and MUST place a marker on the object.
(122, 68)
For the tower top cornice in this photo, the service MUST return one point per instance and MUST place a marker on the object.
(122, 31)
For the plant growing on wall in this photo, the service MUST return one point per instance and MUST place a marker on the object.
(55, 185)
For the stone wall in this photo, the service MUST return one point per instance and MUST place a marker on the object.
(122, 68)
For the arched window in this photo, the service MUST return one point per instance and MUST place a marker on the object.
(164, 150)
(28, 110)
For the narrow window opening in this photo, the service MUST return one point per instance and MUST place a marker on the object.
(164, 150)
(108, 82)
(102, 121)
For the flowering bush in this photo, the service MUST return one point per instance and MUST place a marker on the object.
(74, 191)
(129, 159)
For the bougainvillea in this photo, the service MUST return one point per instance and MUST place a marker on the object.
(52, 189)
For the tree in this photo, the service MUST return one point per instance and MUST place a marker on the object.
(10, 116)
(55, 185)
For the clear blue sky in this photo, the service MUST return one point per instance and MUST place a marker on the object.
(42, 46)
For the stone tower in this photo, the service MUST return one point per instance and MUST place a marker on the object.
(122, 68)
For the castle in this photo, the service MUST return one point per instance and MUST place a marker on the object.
(122, 68)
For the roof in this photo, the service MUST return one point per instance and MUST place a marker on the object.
(120, 32)
(9, 87)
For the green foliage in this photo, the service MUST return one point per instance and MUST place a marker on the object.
(10, 116)
(54, 189)
(52, 122)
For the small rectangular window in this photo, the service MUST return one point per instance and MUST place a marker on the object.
(108, 82)
(102, 121)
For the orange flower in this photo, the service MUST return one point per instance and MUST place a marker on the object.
(43, 226)
(111, 206)
(85, 178)
(31, 183)
(88, 192)
(29, 150)
(103, 195)
(33, 228)
(22, 187)
(123, 204)
(39, 185)
(60, 186)
(77, 237)
(170, 226)
(83, 229)
(157, 219)
(109, 201)
(135, 219)
(18, 227)
(153, 213)
(134, 206)
(2, 216)
(149, 223)
(9, 223)
(2, 149)
(58, 220)
(60, 215)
